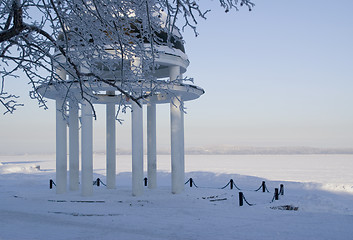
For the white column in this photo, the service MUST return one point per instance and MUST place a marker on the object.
(73, 146)
(182, 144)
(137, 149)
(111, 146)
(86, 149)
(177, 146)
(182, 138)
(61, 148)
(151, 145)
(177, 137)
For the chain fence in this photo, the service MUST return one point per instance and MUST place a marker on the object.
(231, 185)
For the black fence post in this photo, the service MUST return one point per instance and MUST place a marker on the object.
(241, 198)
(145, 180)
(190, 182)
(276, 193)
(50, 183)
(263, 186)
(231, 183)
(281, 189)
(98, 182)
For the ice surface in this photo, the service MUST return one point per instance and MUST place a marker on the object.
(320, 186)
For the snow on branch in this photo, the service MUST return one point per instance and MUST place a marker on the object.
(88, 39)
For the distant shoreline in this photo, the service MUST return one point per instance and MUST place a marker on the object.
(230, 150)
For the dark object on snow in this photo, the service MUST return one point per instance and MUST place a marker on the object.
(263, 187)
(286, 207)
(218, 199)
(281, 189)
(51, 183)
(276, 194)
(241, 198)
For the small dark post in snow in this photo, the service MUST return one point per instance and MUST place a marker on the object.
(281, 189)
(145, 180)
(263, 186)
(231, 183)
(98, 182)
(276, 193)
(51, 183)
(190, 182)
(241, 198)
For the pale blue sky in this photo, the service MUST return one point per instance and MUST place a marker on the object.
(281, 75)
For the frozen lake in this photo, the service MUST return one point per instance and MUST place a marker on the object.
(302, 168)
(335, 169)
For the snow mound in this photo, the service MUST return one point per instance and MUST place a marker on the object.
(7, 169)
(338, 188)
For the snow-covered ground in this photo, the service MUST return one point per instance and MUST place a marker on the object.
(319, 187)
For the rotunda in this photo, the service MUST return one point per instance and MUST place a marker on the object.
(172, 63)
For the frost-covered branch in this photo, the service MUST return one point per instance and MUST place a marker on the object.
(111, 42)
(190, 10)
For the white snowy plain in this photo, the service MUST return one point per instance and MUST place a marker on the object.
(318, 187)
